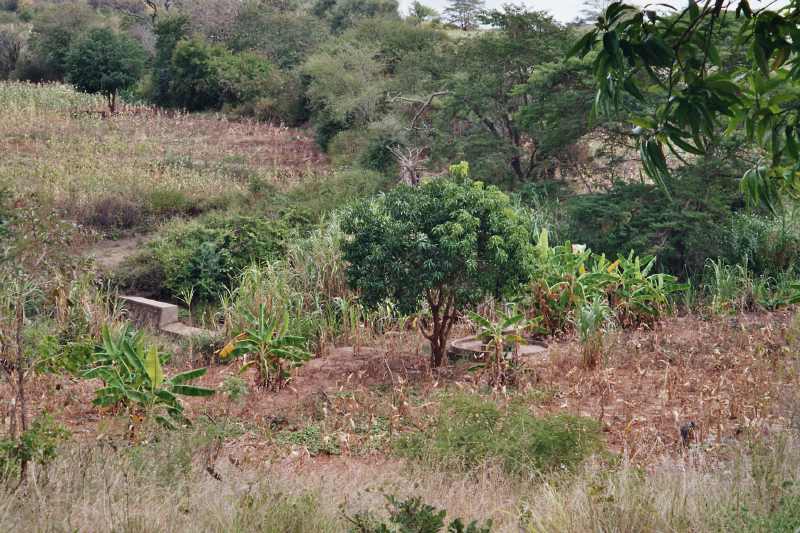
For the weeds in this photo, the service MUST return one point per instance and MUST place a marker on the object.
(594, 317)
(412, 515)
(470, 431)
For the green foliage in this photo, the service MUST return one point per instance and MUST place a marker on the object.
(312, 439)
(734, 288)
(783, 519)
(133, 377)
(38, 444)
(671, 62)
(470, 431)
(682, 234)
(567, 276)
(104, 62)
(768, 245)
(412, 516)
(54, 29)
(445, 243)
(235, 388)
(195, 83)
(169, 31)
(501, 339)
(464, 14)
(285, 36)
(343, 14)
(593, 318)
(207, 255)
(514, 104)
(346, 81)
(273, 350)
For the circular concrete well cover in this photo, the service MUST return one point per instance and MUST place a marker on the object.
(474, 348)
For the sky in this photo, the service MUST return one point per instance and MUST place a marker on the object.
(562, 10)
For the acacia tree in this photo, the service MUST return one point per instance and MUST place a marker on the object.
(437, 249)
(464, 13)
(674, 54)
(105, 62)
(505, 129)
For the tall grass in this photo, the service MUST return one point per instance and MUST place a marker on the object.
(735, 288)
(309, 285)
(163, 485)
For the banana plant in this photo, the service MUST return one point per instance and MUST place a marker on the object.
(270, 348)
(568, 276)
(133, 377)
(502, 339)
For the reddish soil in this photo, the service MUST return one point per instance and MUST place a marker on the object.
(730, 376)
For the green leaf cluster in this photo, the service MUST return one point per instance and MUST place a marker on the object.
(463, 238)
(672, 62)
(273, 350)
(133, 376)
(567, 276)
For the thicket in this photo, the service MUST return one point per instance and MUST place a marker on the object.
(206, 255)
(682, 230)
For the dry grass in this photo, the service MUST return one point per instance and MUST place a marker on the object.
(56, 146)
(165, 486)
(161, 481)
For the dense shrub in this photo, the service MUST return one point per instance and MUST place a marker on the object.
(203, 75)
(141, 273)
(770, 245)
(195, 83)
(169, 31)
(206, 255)
(682, 232)
(470, 431)
(568, 276)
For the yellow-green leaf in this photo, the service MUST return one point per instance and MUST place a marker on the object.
(152, 365)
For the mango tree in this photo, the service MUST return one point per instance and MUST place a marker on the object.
(438, 248)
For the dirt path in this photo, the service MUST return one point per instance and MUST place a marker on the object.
(110, 253)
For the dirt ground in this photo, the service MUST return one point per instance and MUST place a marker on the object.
(729, 375)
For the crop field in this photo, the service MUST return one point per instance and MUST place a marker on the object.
(371, 268)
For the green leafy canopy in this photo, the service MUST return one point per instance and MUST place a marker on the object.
(670, 61)
(460, 237)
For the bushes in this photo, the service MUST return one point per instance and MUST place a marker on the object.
(36, 445)
(567, 276)
(202, 75)
(682, 233)
(413, 515)
(470, 431)
(768, 245)
(206, 255)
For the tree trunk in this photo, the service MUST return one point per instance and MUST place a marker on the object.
(443, 315)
